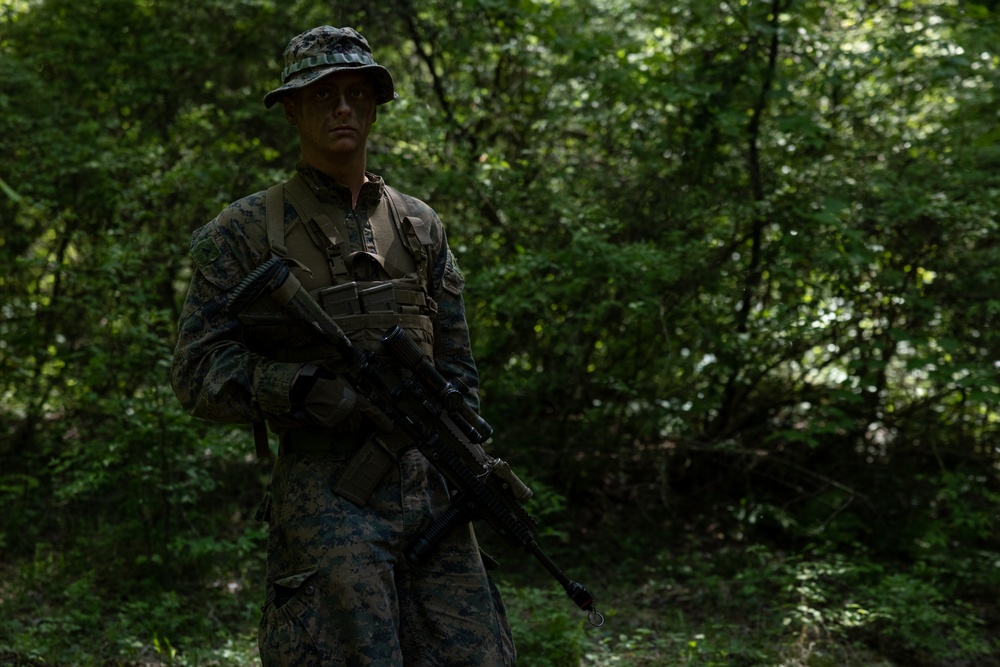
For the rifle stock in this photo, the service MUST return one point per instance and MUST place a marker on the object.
(435, 418)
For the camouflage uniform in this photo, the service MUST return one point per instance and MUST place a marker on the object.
(224, 382)
(340, 590)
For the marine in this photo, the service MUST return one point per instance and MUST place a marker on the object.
(339, 588)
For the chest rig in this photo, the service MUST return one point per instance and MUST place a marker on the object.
(367, 290)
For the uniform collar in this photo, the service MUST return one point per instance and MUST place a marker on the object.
(331, 191)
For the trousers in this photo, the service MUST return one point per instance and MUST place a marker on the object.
(340, 591)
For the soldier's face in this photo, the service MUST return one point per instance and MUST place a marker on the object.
(333, 115)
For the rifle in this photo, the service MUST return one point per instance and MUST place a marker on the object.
(433, 416)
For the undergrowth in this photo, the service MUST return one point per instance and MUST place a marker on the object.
(750, 606)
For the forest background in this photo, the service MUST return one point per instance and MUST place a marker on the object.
(732, 282)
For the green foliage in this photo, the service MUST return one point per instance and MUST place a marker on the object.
(546, 632)
(68, 609)
(755, 606)
(730, 278)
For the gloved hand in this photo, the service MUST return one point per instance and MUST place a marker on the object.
(329, 401)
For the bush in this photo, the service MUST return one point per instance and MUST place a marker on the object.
(547, 629)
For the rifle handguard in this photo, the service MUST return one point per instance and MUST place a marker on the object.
(518, 489)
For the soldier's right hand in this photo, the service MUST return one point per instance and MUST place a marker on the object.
(329, 401)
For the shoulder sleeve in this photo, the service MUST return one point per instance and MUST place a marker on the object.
(213, 373)
(452, 344)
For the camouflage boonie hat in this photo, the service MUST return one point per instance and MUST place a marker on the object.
(325, 50)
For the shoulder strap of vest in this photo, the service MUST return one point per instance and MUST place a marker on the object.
(321, 227)
(420, 227)
(417, 234)
(274, 209)
(302, 197)
(307, 206)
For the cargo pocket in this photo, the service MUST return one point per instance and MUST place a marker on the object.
(290, 619)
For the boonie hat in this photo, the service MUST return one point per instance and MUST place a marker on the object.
(324, 50)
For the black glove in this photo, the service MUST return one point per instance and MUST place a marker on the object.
(329, 401)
